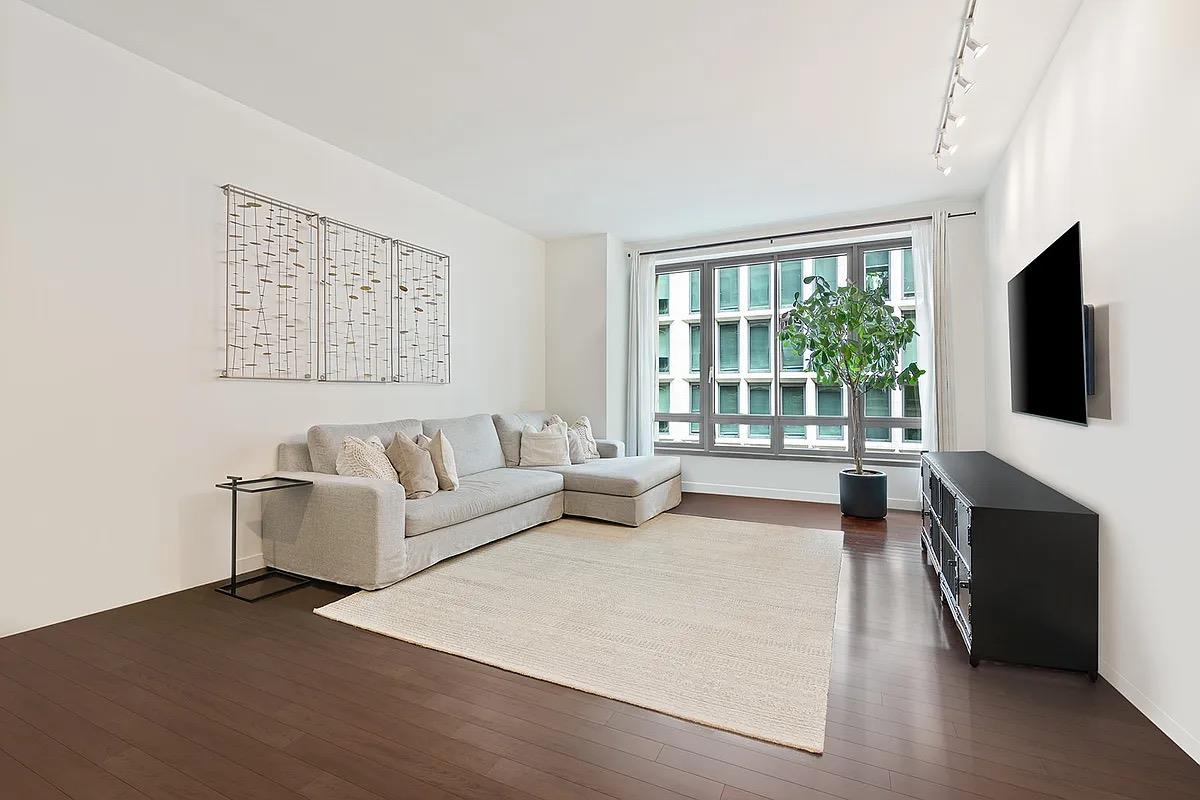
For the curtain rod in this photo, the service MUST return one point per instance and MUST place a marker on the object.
(837, 229)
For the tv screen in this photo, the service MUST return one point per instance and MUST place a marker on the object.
(1046, 334)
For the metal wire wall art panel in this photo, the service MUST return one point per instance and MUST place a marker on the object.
(422, 314)
(270, 288)
(357, 290)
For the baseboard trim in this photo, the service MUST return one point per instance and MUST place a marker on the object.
(1189, 743)
(898, 503)
(250, 563)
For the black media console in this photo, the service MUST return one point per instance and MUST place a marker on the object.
(1017, 562)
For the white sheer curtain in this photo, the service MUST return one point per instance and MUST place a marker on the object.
(643, 336)
(933, 328)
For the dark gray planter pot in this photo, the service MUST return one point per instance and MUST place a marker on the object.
(863, 495)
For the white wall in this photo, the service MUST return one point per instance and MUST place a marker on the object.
(111, 314)
(586, 319)
(817, 481)
(616, 336)
(1112, 139)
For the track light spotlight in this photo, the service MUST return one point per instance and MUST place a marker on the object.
(963, 83)
(956, 120)
(946, 149)
(976, 48)
(942, 168)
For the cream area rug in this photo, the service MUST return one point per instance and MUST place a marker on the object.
(729, 624)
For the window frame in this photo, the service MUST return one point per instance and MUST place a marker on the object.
(710, 375)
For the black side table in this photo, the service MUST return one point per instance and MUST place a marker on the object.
(235, 486)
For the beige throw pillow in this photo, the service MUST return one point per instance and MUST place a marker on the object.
(442, 454)
(364, 459)
(545, 448)
(414, 467)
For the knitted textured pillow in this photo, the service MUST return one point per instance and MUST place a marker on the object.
(364, 459)
(583, 427)
(575, 447)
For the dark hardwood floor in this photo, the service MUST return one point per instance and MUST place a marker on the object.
(195, 695)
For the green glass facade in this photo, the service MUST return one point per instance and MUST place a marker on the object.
(760, 286)
(760, 403)
(829, 404)
(727, 403)
(727, 335)
(760, 345)
(792, 403)
(664, 348)
(728, 298)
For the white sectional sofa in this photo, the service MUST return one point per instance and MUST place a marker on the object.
(363, 532)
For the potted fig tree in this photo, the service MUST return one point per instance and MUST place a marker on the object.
(851, 336)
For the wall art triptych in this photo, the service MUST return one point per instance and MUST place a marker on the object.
(314, 298)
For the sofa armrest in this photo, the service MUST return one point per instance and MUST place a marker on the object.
(610, 448)
(340, 529)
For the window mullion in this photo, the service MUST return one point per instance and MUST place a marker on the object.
(776, 361)
(707, 347)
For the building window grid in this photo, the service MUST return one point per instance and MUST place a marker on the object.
(737, 310)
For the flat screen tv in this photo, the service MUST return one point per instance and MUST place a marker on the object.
(1049, 334)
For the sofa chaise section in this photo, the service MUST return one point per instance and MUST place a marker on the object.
(617, 488)
(629, 490)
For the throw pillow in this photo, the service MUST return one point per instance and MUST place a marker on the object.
(545, 448)
(364, 459)
(414, 467)
(443, 459)
(583, 426)
(575, 447)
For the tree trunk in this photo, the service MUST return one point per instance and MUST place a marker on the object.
(856, 431)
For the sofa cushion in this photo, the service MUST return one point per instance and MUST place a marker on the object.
(325, 441)
(476, 446)
(624, 477)
(478, 494)
(508, 429)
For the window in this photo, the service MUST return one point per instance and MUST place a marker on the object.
(694, 404)
(878, 404)
(760, 403)
(760, 346)
(826, 268)
(727, 289)
(793, 406)
(908, 283)
(912, 408)
(829, 404)
(791, 282)
(694, 344)
(664, 404)
(727, 403)
(727, 334)
(879, 272)
(664, 348)
(760, 286)
(744, 392)
(909, 354)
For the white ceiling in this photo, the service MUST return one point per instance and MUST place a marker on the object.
(646, 119)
